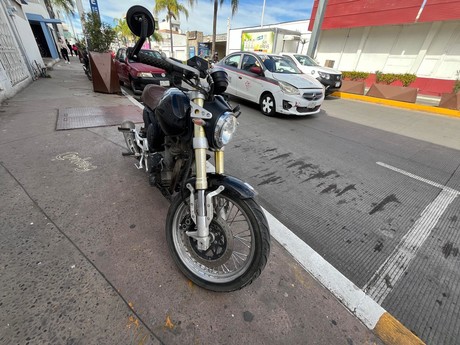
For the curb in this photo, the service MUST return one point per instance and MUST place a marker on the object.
(404, 105)
(369, 312)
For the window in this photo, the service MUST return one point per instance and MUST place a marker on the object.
(248, 62)
(233, 60)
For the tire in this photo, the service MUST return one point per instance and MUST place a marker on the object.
(267, 104)
(240, 248)
(133, 87)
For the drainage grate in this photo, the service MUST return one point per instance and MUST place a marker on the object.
(85, 117)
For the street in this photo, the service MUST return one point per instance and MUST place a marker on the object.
(380, 207)
(378, 201)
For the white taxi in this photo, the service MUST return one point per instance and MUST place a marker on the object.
(274, 82)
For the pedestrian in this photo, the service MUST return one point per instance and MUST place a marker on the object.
(75, 49)
(64, 52)
(216, 57)
(69, 46)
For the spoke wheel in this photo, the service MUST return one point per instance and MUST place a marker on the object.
(239, 247)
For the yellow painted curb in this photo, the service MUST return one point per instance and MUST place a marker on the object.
(393, 332)
(405, 105)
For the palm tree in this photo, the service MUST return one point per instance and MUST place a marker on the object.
(214, 20)
(125, 34)
(68, 6)
(173, 8)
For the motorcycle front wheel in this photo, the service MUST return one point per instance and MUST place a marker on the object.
(240, 243)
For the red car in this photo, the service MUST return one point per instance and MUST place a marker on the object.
(137, 74)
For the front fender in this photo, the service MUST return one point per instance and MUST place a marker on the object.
(234, 186)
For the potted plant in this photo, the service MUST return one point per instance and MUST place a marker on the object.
(353, 82)
(384, 87)
(100, 37)
(452, 100)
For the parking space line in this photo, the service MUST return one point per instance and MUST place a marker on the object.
(394, 267)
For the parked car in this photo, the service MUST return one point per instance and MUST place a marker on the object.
(329, 77)
(274, 82)
(138, 75)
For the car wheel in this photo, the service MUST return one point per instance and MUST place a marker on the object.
(267, 104)
(133, 87)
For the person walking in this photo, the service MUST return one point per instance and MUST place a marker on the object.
(75, 49)
(64, 52)
(69, 46)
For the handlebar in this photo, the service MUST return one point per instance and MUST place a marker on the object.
(169, 65)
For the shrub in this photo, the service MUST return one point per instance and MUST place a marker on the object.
(456, 87)
(354, 75)
(406, 79)
(100, 35)
(385, 78)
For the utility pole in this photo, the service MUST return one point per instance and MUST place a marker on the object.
(316, 28)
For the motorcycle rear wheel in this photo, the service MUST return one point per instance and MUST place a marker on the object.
(239, 248)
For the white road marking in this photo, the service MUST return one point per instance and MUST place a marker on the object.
(132, 99)
(363, 306)
(394, 267)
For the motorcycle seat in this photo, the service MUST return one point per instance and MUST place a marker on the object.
(152, 95)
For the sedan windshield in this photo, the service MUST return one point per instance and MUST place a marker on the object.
(279, 64)
(152, 53)
(305, 60)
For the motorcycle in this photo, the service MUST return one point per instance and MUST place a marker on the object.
(216, 232)
(86, 65)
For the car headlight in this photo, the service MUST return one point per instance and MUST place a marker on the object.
(288, 88)
(225, 128)
(144, 74)
(324, 75)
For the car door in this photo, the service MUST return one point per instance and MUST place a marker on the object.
(231, 64)
(120, 62)
(250, 85)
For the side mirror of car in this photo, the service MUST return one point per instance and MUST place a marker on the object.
(256, 70)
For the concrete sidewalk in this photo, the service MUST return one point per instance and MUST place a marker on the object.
(83, 254)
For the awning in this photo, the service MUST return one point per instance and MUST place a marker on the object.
(32, 17)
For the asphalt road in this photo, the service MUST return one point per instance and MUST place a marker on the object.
(381, 207)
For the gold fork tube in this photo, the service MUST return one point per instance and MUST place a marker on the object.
(200, 152)
(219, 161)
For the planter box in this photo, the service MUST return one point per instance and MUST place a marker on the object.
(104, 74)
(450, 101)
(396, 93)
(353, 86)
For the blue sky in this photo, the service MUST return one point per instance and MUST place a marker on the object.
(200, 16)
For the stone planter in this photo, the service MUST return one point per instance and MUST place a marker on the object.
(104, 74)
(353, 86)
(396, 93)
(450, 101)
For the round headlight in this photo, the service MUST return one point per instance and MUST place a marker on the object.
(225, 128)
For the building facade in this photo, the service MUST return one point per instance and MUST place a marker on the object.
(421, 37)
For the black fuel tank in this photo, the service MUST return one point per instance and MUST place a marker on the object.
(173, 112)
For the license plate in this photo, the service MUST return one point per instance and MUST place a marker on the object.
(337, 84)
(311, 105)
(164, 82)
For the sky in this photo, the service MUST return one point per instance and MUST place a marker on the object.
(201, 14)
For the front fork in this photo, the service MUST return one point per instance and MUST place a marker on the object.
(202, 213)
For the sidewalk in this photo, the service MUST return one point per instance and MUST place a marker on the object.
(83, 252)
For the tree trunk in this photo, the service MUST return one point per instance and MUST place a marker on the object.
(214, 25)
(171, 34)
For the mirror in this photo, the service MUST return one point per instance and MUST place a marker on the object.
(135, 17)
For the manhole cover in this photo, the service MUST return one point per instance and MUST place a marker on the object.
(86, 117)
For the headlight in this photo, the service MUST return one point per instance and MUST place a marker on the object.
(324, 75)
(144, 74)
(288, 88)
(225, 128)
